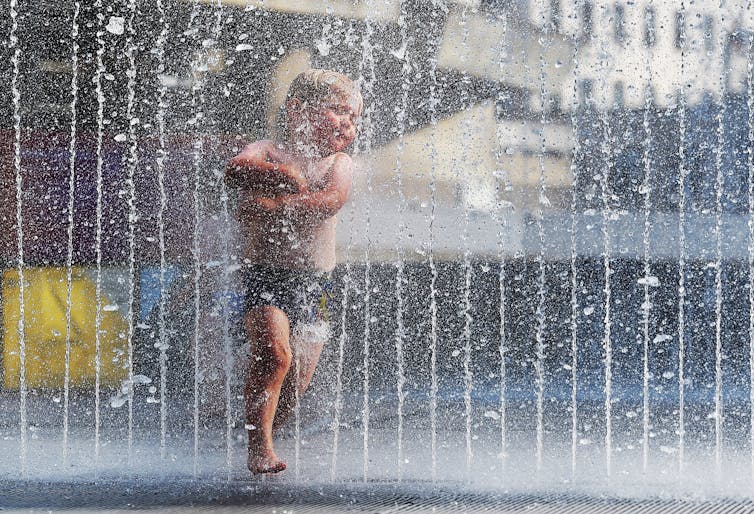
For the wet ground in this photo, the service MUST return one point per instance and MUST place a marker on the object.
(374, 470)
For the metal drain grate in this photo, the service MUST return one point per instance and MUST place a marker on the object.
(180, 495)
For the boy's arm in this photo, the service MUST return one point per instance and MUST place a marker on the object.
(255, 167)
(314, 205)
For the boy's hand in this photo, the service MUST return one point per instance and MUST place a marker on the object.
(287, 169)
(291, 175)
(264, 204)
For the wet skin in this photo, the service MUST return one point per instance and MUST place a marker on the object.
(314, 181)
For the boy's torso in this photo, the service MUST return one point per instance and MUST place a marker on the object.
(283, 242)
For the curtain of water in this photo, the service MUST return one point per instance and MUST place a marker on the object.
(576, 106)
(646, 305)
(542, 201)
(99, 72)
(750, 184)
(162, 106)
(131, 171)
(719, 184)
(607, 154)
(16, 94)
(400, 333)
(69, 257)
(197, 110)
(681, 241)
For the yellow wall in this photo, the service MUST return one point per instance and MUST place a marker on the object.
(45, 301)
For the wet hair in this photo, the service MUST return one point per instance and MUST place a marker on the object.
(313, 86)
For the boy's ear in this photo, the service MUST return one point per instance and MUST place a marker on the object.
(293, 105)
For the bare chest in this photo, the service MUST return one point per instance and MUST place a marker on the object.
(317, 173)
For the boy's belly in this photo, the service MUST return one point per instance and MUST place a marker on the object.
(284, 247)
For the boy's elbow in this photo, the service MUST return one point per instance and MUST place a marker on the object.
(336, 202)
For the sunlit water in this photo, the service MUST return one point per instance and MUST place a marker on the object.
(581, 358)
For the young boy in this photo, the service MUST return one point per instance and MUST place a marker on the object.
(290, 193)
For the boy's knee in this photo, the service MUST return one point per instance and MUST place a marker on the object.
(280, 355)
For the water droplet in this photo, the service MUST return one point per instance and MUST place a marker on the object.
(116, 25)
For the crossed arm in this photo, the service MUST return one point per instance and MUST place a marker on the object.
(311, 205)
(259, 168)
(299, 203)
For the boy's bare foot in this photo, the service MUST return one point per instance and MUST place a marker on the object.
(264, 461)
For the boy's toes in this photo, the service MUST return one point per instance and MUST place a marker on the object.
(273, 467)
(266, 465)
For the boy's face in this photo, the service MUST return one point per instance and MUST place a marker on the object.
(331, 124)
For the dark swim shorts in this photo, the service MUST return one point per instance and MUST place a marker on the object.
(301, 294)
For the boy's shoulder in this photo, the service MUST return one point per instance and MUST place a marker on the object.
(340, 159)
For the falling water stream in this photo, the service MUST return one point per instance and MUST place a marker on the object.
(646, 305)
(16, 94)
(367, 76)
(539, 363)
(70, 212)
(500, 186)
(400, 278)
(162, 151)
(433, 379)
(682, 245)
(465, 303)
(132, 164)
(719, 185)
(607, 156)
(100, 70)
(750, 212)
(573, 254)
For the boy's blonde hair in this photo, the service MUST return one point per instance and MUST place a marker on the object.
(313, 86)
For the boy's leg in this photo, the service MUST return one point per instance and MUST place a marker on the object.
(306, 353)
(268, 331)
